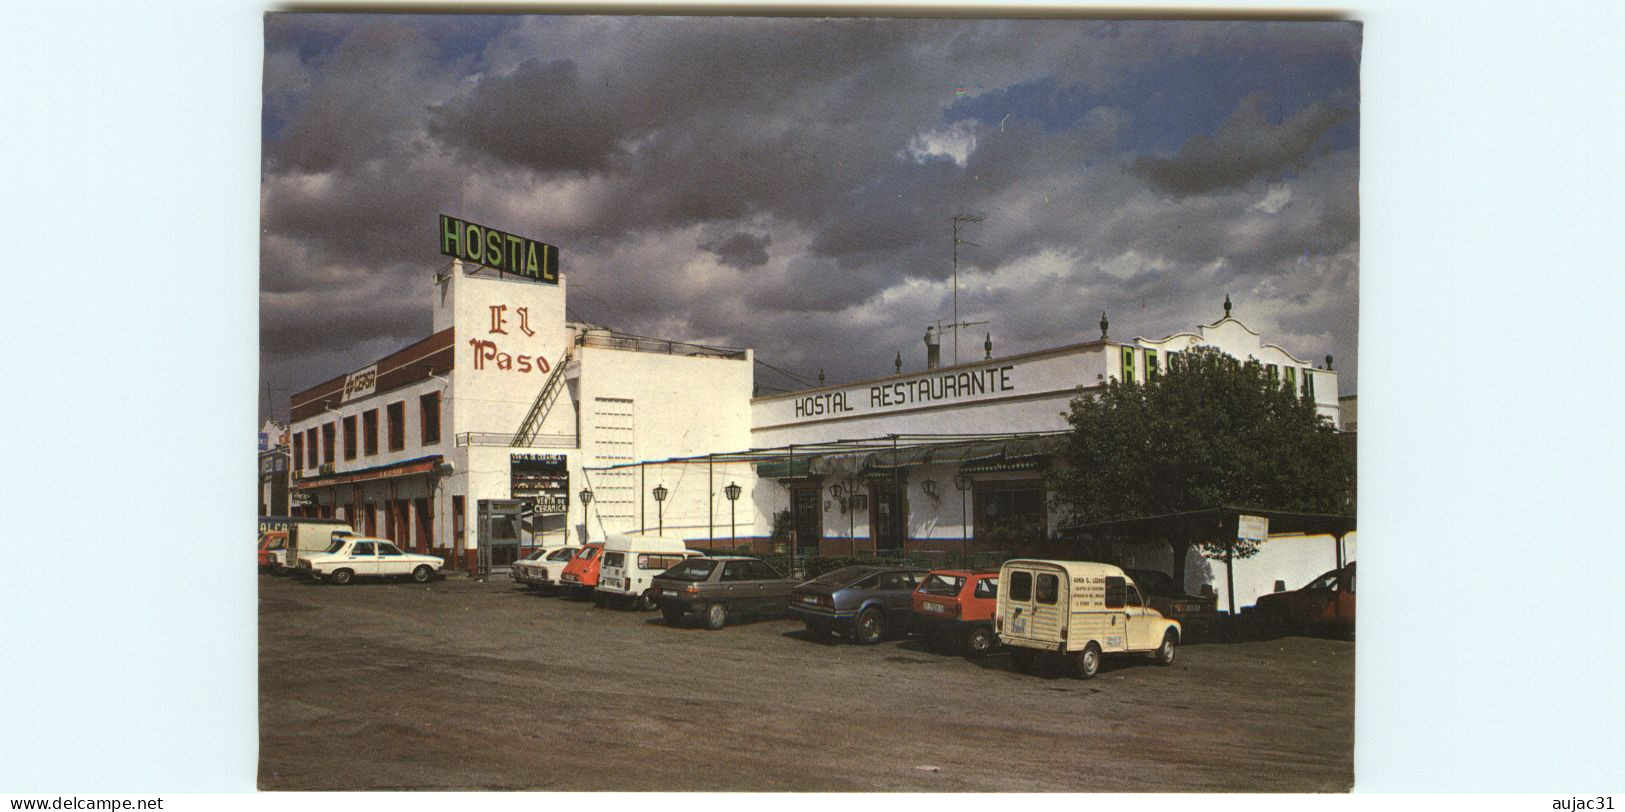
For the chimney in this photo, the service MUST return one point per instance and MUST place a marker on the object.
(933, 349)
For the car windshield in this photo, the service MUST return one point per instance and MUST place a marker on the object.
(536, 555)
(841, 577)
(562, 554)
(938, 584)
(1326, 581)
(338, 544)
(691, 570)
(587, 553)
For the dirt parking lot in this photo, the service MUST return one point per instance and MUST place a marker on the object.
(462, 684)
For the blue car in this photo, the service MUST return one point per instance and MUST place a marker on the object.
(863, 602)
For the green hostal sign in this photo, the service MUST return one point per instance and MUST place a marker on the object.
(509, 253)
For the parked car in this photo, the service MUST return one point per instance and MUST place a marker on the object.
(1197, 614)
(272, 556)
(719, 587)
(629, 564)
(864, 602)
(1324, 605)
(1080, 610)
(306, 535)
(541, 569)
(580, 575)
(956, 607)
(351, 557)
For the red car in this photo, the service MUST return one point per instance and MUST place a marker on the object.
(956, 607)
(273, 552)
(580, 576)
(1325, 605)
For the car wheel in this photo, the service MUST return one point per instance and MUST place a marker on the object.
(342, 577)
(1165, 652)
(673, 615)
(716, 616)
(979, 641)
(646, 601)
(870, 627)
(1088, 661)
(1022, 659)
(423, 573)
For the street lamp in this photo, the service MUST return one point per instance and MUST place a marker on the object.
(962, 483)
(732, 492)
(660, 494)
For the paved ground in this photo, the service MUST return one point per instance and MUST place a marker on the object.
(460, 684)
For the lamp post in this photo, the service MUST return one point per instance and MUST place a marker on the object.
(586, 499)
(732, 492)
(660, 494)
(962, 483)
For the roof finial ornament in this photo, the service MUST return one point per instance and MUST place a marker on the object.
(1328, 362)
(987, 345)
(899, 362)
(820, 376)
(1103, 324)
(1227, 305)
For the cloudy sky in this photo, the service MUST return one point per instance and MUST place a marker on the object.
(787, 184)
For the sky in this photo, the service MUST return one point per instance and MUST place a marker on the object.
(789, 184)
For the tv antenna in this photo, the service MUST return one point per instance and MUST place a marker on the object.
(957, 219)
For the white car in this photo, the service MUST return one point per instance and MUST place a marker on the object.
(354, 557)
(541, 569)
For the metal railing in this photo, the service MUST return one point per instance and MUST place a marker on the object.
(469, 438)
(620, 341)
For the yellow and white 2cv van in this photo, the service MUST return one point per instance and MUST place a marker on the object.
(1079, 610)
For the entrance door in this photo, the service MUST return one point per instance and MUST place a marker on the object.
(423, 539)
(369, 516)
(886, 517)
(808, 513)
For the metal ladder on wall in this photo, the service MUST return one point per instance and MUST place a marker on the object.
(544, 403)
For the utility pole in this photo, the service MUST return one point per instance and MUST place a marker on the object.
(959, 218)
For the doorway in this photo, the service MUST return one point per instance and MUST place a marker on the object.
(887, 516)
(807, 513)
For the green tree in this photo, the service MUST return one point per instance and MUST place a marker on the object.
(1210, 431)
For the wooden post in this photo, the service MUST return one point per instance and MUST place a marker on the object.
(1229, 575)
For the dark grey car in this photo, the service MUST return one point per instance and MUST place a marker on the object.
(864, 602)
(717, 587)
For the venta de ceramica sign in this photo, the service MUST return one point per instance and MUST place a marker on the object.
(510, 253)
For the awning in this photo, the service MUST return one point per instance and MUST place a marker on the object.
(421, 465)
(792, 468)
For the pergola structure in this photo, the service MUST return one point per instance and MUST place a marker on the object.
(1216, 526)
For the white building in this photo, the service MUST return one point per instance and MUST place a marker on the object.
(470, 443)
(950, 459)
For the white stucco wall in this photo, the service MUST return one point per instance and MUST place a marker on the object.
(1296, 560)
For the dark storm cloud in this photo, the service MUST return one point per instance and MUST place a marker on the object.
(667, 155)
(740, 249)
(1246, 146)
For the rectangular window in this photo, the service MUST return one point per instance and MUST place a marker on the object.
(1291, 379)
(397, 425)
(429, 414)
(1309, 384)
(1116, 592)
(329, 435)
(369, 431)
(1151, 369)
(349, 437)
(1275, 372)
(310, 447)
(1021, 586)
(1049, 588)
(298, 449)
(1128, 364)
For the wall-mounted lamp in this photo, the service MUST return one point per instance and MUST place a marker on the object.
(929, 486)
(439, 378)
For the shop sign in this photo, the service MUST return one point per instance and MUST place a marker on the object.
(918, 391)
(360, 383)
(265, 441)
(301, 499)
(509, 253)
(1253, 528)
(543, 479)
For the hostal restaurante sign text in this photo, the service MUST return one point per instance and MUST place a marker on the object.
(928, 389)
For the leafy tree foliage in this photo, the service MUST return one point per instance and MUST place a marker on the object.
(1210, 431)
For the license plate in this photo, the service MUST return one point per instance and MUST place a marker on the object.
(1018, 625)
(571, 578)
(670, 593)
(935, 607)
(808, 599)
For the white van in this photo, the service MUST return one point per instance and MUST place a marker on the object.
(629, 562)
(1079, 610)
